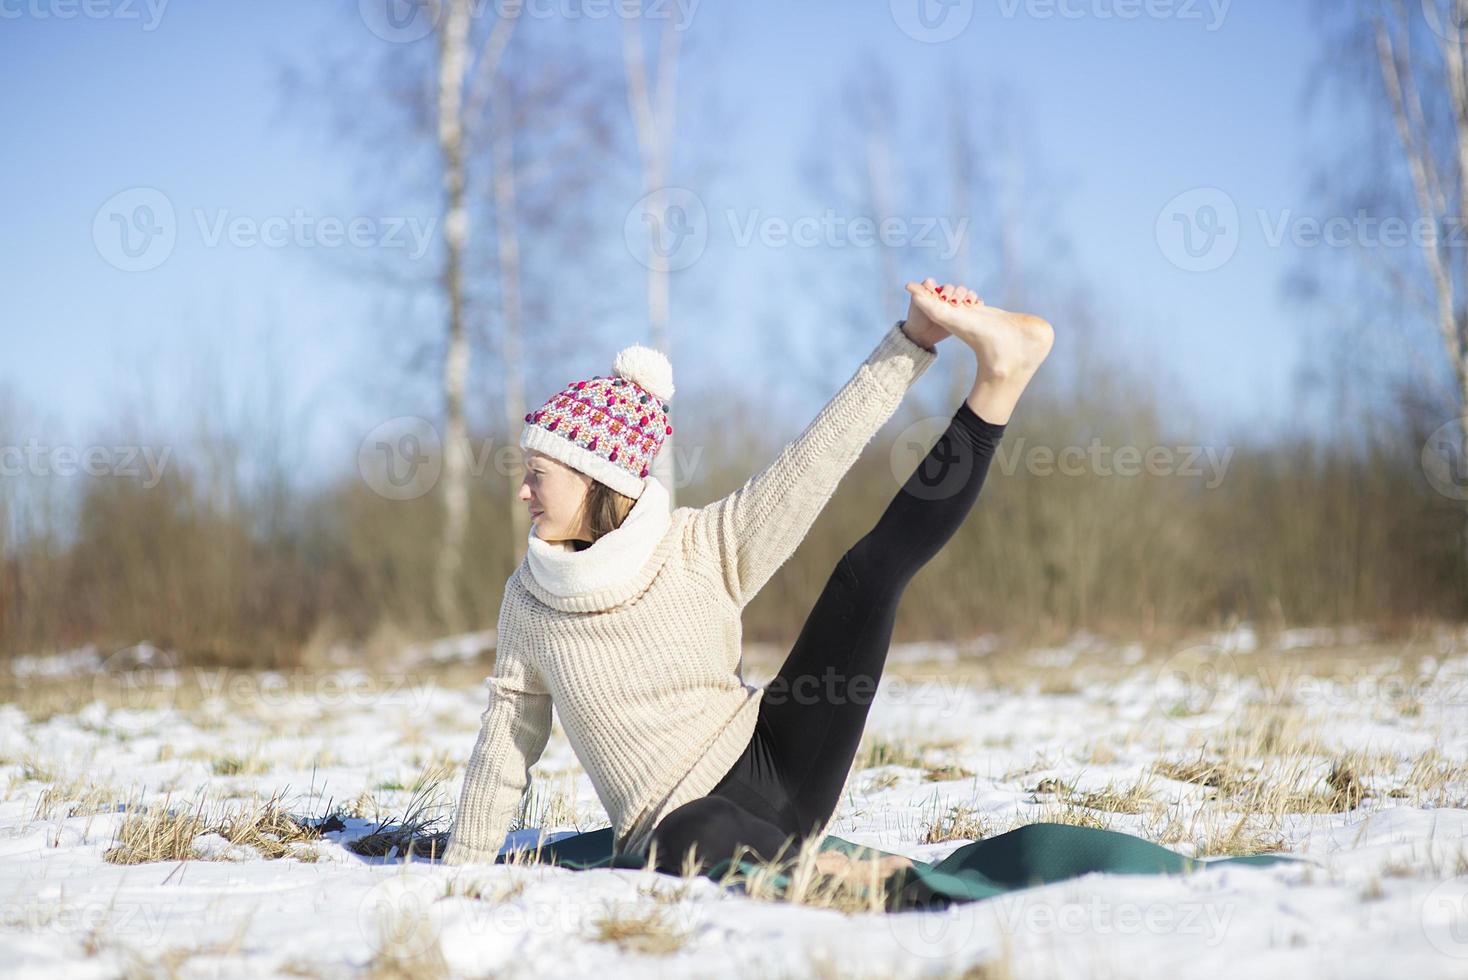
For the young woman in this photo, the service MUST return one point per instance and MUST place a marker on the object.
(626, 616)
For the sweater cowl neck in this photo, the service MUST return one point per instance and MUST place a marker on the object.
(609, 571)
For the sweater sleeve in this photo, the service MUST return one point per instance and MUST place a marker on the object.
(513, 733)
(753, 530)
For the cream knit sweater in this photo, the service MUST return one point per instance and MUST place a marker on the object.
(644, 668)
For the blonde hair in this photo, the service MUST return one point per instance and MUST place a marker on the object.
(605, 509)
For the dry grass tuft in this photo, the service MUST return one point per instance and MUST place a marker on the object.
(1133, 799)
(270, 830)
(418, 831)
(650, 932)
(959, 823)
(157, 833)
(878, 751)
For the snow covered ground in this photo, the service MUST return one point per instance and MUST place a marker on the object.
(1352, 755)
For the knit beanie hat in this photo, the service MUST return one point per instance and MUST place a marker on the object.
(611, 426)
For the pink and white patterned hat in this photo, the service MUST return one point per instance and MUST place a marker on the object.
(609, 427)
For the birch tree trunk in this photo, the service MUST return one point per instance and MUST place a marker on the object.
(653, 110)
(453, 61)
(1433, 200)
(502, 143)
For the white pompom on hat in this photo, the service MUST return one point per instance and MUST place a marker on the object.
(646, 367)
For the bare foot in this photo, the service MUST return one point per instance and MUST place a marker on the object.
(1010, 347)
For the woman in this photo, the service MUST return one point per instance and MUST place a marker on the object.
(626, 616)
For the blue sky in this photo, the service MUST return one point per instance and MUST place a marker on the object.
(1130, 112)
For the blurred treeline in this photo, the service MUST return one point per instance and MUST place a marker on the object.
(221, 566)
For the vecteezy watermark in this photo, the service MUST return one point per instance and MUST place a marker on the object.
(1445, 462)
(137, 229)
(1208, 463)
(148, 12)
(1445, 917)
(831, 230)
(1188, 689)
(402, 458)
(940, 696)
(932, 469)
(405, 21)
(303, 230)
(1211, 12)
(669, 229)
(936, 21)
(1442, 20)
(932, 21)
(1096, 915)
(145, 463)
(1198, 231)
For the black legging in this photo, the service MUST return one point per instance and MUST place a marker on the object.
(785, 786)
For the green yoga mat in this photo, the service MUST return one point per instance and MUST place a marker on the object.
(1035, 854)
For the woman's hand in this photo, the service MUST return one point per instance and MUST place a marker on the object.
(924, 311)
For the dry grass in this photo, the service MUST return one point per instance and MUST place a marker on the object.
(77, 798)
(163, 833)
(417, 831)
(1133, 799)
(157, 833)
(650, 932)
(880, 751)
(250, 764)
(271, 831)
(958, 823)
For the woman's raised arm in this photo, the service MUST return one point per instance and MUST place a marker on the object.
(753, 530)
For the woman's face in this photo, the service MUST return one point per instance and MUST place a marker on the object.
(555, 493)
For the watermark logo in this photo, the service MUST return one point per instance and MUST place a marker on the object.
(135, 230)
(1179, 10)
(1188, 687)
(1444, 461)
(397, 915)
(148, 12)
(406, 21)
(942, 934)
(831, 230)
(1445, 917)
(146, 464)
(1441, 18)
(1198, 231)
(928, 466)
(1207, 463)
(932, 21)
(402, 458)
(667, 230)
(142, 680)
(400, 21)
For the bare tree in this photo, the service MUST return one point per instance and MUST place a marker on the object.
(1410, 59)
(653, 104)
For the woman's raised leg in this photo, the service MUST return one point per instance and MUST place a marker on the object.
(815, 709)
